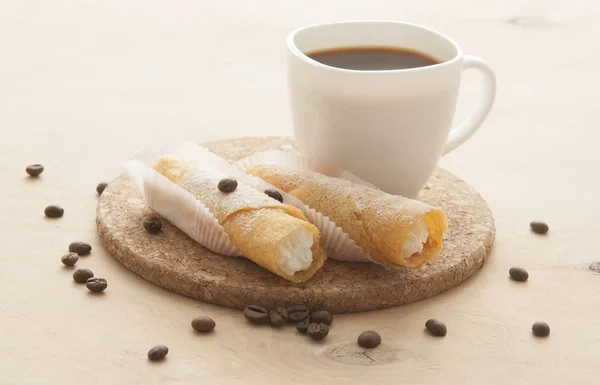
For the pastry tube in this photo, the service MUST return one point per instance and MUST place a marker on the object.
(276, 236)
(393, 230)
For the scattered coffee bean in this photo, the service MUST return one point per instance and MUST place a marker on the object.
(317, 331)
(539, 227)
(158, 352)
(153, 225)
(96, 285)
(82, 275)
(369, 339)
(227, 185)
(100, 188)
(81, 248)
(278, 316)
(518, 274)
(35, 169)
(54, 211)
(69, 259)
(541, 329)
(203, 324)
(297, 313)
(274, 194)
(256, 314)
(321, 317)
(302, 327)
(436, 328)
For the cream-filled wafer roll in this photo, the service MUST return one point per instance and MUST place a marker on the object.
(393, 230)
(276, 236)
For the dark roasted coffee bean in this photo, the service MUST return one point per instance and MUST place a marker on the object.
(436, 328)
(317, 331)
(81, 248)
(256, 314)
(158, 352)
(297, 313)
(100, 188)
(274, 194)
(321, 317)
(54, 211)
(278, 316)
(518, 274)
(227, 185)
(35, 169)
(302, 327)
(541, 329)
(96, 285)
(203, 324)
(539, 227)
(369, 339)
(153, 225)
(69, 259)
(82, 275)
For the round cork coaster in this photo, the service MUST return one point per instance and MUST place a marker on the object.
(175, 262)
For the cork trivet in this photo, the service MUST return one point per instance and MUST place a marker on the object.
(173, 261)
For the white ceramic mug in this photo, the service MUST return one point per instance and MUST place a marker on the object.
(388, 127)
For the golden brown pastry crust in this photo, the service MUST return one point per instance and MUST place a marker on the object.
(254, 222)
(378, 222)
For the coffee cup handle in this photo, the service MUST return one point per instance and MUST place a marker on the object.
(460, 134)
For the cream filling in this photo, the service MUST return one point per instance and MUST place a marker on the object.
(294, 252)
(417, 237)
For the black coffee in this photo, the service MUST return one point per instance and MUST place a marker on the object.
(372, 58)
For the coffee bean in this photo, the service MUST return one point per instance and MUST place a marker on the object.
(539, 227)
(436, 328)
(100, 188)
(518, 274)
(203, 324)
(35, 169)
(82, 275)
(321, 317)
(96, 285)
(256, 314)
(278, 316)
(158, 352)
(317, 331)
(54, 211)
(227, 185)
(369, 339)
(297, 313)
(153, 225)
(81, 248)
(302, 327)
(69, 259)
(541, 329)
(274, 194)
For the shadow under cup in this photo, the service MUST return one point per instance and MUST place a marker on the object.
(388, 127)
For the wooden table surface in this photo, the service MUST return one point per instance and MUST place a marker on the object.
(84, 83)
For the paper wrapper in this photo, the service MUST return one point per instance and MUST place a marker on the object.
(175, 204)
(335, 242)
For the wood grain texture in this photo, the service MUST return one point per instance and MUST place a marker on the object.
(83, 84)
(174, 261)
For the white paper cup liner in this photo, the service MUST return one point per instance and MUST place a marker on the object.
(174, 203)
(335, 242)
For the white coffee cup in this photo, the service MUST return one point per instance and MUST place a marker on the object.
(389, 127)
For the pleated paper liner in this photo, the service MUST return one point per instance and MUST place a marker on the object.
(179, 206)
(175, 204)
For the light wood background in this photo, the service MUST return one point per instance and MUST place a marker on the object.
(84, 83)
